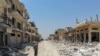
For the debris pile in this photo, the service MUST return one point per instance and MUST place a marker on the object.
(91, 49)
(19, 50)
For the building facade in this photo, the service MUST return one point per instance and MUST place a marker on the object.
(59, 35)
(14, 26)
(88, 31)
(84, 32)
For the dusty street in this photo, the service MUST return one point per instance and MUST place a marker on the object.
(28, 51)
(49, 48)
(46, 49)
(52, 48)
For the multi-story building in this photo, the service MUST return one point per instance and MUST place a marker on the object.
(14, 26)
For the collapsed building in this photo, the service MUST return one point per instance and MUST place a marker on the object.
(14, 26)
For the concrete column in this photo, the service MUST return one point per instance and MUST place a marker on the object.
(84, 37)
(97, 18)
(31, 36)
(22, 38)
(99, 36)
(8, 38)
(80, 37)
(15, 24)
(77, 38)
(16, 38)
(74, 38)
(6, 35)
(3, 38)
(89, 37)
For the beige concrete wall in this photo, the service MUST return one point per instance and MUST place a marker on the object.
(13, 40)
(18, 40)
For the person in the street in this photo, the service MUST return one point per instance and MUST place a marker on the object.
(36, 48)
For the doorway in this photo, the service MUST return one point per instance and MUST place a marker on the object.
(1, 39)
(6, 40)
(87, 38)
(82, 37)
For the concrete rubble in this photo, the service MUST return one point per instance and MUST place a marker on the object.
(52, 48)
(20, 50)
(92, 49)
(28, 51)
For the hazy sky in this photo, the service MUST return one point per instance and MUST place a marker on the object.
(50, 15)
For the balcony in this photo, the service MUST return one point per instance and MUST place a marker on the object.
(17, 14)
(16, 30)
(5, 21)
(34, 29)
(28, 32)
(16, 27)
(34, 34)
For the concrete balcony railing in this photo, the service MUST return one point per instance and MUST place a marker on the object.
(28, 32)
(34, 29)
(18, 15)
(34, 34)
(5, 21)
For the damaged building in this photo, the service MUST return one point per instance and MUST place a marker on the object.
(59, 35)
(87, 31)
(84, 32)
(14, 26)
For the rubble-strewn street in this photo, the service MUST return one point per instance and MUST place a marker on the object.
(20, 50)
(28, 51)
(48, 28)
(48, 48)
(53, 48)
